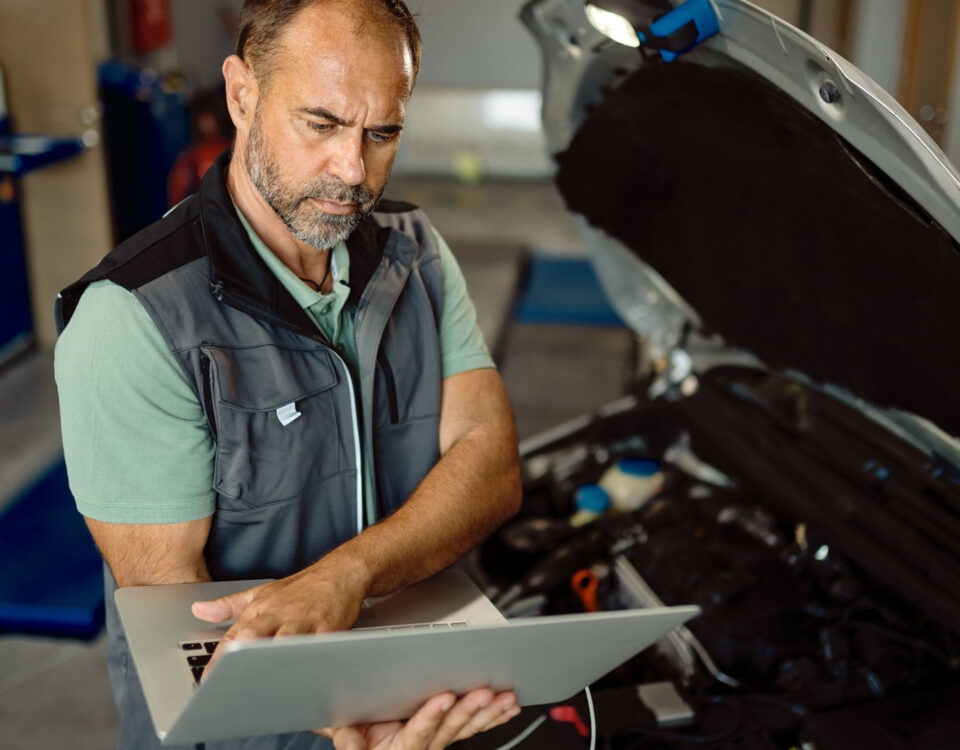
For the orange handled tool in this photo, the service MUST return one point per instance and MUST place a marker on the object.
(585, 584)
(569, 715)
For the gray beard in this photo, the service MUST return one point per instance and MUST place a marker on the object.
(307, 223)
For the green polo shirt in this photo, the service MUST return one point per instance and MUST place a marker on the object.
(135, 438)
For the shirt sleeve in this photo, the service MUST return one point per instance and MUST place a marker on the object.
(136, 442)
(462, 347)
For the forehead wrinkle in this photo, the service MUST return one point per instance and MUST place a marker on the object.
(325, 114)
(337, 103)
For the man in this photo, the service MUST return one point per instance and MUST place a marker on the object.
(276, 367)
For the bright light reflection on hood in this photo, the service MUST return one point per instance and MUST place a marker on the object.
(612, 25)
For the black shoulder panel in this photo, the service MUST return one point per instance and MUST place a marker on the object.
(387, 206)
(160, 249)
(165, 245)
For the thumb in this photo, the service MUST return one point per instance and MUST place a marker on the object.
(224, 608)
(349, 738)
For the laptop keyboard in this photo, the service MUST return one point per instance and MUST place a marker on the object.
(197, 653)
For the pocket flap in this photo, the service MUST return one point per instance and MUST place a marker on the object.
(262, 378)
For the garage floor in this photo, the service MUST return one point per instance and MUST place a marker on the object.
(55, 694)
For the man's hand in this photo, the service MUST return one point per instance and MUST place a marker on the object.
(441, 721)
(311, 602)
(323, 598)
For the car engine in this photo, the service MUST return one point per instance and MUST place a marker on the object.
(798, 645)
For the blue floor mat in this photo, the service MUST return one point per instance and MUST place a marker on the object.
(51, 575)
(563, 291)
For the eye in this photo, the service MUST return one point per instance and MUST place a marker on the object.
(320, 127)
(376, 137)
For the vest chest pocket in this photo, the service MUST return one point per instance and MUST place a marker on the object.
(277, 427)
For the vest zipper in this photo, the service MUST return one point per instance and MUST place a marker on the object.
(223, 296)
(356, 442)
(208, 394)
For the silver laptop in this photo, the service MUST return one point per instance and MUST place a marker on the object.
(442, 634)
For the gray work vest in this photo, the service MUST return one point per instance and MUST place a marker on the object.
(287, 491)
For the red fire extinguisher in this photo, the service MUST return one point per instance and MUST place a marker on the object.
(149, 24)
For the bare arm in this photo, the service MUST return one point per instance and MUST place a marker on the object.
(149, 554)
(472, 489)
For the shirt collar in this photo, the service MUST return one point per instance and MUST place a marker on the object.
(301, 292)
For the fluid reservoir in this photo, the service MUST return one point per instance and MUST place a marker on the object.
(592, 501)
(631, 482)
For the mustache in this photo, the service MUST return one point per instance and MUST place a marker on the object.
(339, 192)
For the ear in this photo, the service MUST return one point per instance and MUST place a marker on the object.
(242, 92)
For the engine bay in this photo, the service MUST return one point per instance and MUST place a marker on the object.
(802, 642)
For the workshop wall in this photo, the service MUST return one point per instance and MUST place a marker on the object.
(49, 63)
(877, 38)
(951, 143)
(470, 43)
(477, 44)
(204, 36)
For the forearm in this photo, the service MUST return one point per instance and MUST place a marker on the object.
(147, 555)
(473, 489)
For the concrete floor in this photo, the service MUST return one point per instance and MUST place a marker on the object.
(55, 694)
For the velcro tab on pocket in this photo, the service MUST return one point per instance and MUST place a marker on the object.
(269, 377)
(278, 423)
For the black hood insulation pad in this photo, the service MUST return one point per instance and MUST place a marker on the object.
(787, 241)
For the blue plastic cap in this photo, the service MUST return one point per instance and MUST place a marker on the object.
(639, 467)
(592, 497)
(698, 12)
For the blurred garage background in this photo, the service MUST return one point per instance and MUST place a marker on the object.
(109, 112)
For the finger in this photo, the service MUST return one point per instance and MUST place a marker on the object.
(503, 708)
(382, 733)
(230, 635)
(509, 710)
(421, 729)
(259, 626)
(349, 738)
(462, 713)
(242, 630)
(507, 717)
(224, 608)
(294, 627)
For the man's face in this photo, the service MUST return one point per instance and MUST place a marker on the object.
(326, 129)
(300, 204)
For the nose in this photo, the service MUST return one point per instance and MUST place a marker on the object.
(346, 159)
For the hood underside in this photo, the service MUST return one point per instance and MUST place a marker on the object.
(787, 241)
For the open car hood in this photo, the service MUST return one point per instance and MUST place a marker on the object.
(764, 194)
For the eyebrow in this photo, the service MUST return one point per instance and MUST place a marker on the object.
(336, 120)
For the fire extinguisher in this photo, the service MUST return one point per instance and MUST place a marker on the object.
(149, 24)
